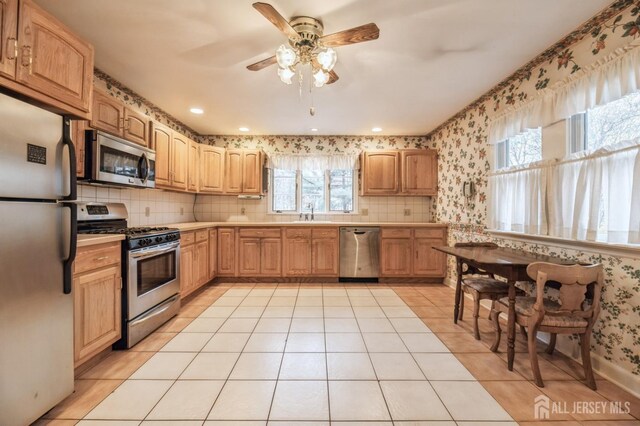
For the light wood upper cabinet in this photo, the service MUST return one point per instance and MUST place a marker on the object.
(179, 161)
(107, 113)
(193, 167)
(161, 141)
(233, 171)
(53, 60)
(419, 172)
(380, 173)
(136, 127)
(8, 37)
(78, 128)
(252, 162)
(213, 253)
(97, 288)
(395, 257)
(226, 265)
(211, 169)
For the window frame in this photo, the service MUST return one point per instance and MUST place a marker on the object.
(327, 196)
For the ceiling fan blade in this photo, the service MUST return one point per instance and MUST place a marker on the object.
(276, 19)
(333, 77)
(262, 64)
(359, 34)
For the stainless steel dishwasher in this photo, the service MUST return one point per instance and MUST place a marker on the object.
(359, 253)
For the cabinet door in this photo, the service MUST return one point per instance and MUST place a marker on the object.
(252, 172)
(96, 299)
(380, 173)
(193, 168)
(8, 37)
(226, 248)
(78, 128)
(233, 171)
(179, 161)
(271, 257)
(297, 257)
(161, 142)
(187, 279)
(419, 172)
(395, 257)
(249, 257)
(428, 262)
(211, 169)
(136, 127)
(325, 259)
(53, 60)
(201, 270)
(213, 253)
(107, 114)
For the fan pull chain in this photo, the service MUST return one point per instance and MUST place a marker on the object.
(312, 109)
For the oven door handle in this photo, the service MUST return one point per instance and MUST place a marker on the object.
(156, 311)
(147, 254)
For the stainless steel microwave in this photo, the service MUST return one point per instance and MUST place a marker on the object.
(111, 160)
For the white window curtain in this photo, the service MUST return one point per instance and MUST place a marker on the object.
(518, 199)
(596, 196)
(608, 79)
(313, 161)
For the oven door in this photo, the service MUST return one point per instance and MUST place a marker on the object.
(117, 161)
(153, 277)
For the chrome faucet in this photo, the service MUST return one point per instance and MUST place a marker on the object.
(311, 207)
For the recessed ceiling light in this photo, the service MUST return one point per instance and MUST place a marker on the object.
(197, 111)
(243, 129)
(376, 129)
(314, 130)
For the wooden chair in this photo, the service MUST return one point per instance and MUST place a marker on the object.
(574, 313)
(480, 284)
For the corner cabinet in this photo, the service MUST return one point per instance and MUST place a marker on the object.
(97, 288)
(411, 172)
(43, 60)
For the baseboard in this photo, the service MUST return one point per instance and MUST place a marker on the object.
(605, 368)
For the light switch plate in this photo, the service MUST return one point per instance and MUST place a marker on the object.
(364, 212)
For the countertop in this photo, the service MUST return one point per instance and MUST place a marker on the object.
(85, 240)
(190, 226)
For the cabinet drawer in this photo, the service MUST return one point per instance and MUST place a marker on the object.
(430, 232)
(187, 238)
(202, 235)
(395, 233)
(325, 233)
(298, 232)
(96, 257)
(260, 232)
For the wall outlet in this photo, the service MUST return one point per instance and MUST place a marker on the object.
(147, 211)
(181, 211)
(243, 211)
(364, 212)
(407, 212)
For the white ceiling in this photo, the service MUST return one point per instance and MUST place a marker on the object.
(433, 58)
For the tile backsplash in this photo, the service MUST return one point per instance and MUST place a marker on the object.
(215, 208)
(163, 206)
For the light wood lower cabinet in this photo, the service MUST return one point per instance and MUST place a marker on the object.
(409, 252)
(213, 253)
(226, 266)
(311, 252)
(325, 259)
(97, 288)
(194, 261)
(259, 252)
(296, 260)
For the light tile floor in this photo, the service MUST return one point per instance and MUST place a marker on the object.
(352, 355)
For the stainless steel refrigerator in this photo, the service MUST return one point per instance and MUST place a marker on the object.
(37, 246)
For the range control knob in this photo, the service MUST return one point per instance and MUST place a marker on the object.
(158, 239)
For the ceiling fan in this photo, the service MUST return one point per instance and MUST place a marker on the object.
(308, 45)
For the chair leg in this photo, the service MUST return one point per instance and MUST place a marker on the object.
(461, 312)
(495, 316)
(476, 314)
(533, 356)
(585, 349)
(493, 305)
(552, 343)
(523, 330)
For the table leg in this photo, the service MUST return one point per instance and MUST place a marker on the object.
(456, 306)
(511, 326)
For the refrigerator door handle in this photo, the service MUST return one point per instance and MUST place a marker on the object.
(66, 140)
(73, 242)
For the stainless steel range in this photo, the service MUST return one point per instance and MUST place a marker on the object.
(150, 269)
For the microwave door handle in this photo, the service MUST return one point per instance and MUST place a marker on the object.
(73, 242)
(143, 167)
(66, 140)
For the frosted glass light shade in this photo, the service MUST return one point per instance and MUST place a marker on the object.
(327, 58)
(285, 56)
(285, 75)
(320, 78)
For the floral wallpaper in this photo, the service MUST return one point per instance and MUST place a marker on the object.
(463, 155)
